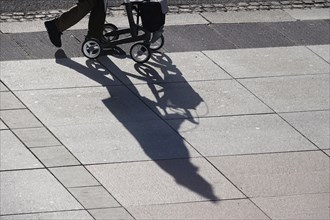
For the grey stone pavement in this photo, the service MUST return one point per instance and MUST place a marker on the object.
(229, 121)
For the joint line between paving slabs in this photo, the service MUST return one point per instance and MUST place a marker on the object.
(268, 153)
(236, 186)
(209, 22)
(315, 110)
(22, 169)
(300, 132)
(61, 88)
(319, 55)
(45, 212)
(284, 75)
(223, 116)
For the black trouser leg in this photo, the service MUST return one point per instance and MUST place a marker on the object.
(96, 20)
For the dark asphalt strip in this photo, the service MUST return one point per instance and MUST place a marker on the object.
(35, 45)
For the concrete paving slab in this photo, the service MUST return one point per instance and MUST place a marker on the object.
(242, 135)
(247, 16)
(327, 152)
(35, 45)
(67, 215)
(3, 88)
(309, 14)
(110, 214)
(94, 197)
(309, 206)
(38, 192)
(55, 156)
(22, 27)
(36, 137)
(195, 38)
(284, 174)
(322, 50)
(9, 101)
(163, 68)
(255, 35)
(314, 125)
(3, 126)
(184, 19)
(225, 209)
(123, 142)
(269, 62)
(20, 118)
(200, 99)
(295, 93)
(10, 49)
(304, 32)
(96, 105)
(172, 181)
(52, 73)
(14, 155)
(38, 46)
(37, 26)
(75, 176)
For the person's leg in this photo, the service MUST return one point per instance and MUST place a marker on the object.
(74, 15)
(96, 20)
(66, 20)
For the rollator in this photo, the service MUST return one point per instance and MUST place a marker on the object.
(148, 35)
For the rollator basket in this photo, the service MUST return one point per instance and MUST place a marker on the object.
(152, 13)
(152, 16)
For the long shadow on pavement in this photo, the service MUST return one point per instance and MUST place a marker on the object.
(183, 171)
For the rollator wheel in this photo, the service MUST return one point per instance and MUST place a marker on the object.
(91, 48)
(108, 28)
(140, 52)
(158, 43)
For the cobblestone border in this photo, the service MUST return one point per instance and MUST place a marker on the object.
(178, 9)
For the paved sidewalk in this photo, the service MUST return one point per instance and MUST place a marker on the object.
(230, 121)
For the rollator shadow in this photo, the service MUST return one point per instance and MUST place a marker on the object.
(166, 104)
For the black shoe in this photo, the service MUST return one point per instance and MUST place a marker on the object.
(53, 33)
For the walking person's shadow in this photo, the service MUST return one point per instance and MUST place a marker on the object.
(166, 104)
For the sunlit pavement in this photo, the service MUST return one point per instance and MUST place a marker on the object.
(230, 120)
